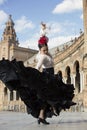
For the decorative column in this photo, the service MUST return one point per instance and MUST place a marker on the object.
(73, 79)
(64, 79)
(14, 95)
(81, 81)
(8, 96)
(1, 95)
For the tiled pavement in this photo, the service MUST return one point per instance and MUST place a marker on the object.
(23, 121)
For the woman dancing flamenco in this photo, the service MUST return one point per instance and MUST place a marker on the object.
(44, 93)
(45, 61)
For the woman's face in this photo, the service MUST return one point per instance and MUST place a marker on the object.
(44, 50)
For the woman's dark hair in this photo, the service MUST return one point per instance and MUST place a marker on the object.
(42, 45)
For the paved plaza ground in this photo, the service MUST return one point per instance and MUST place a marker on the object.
(23, 121)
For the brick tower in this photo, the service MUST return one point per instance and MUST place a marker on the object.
(8, 39)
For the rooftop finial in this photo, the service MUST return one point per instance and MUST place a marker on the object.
(10, 16)
(10, 19)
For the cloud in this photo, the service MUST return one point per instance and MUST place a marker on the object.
(56, 41)
(30, 43)
(81, 16)
(53, 42)
(62, 28)
(57, 36)
(55, 28)
(67, 6)
(33, 41)
(22, 24)
(3, 18)
(2, 1)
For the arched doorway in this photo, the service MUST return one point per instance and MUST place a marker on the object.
(68, 78)
(11, 95)
(60, 74)
(5, 94)
(77, 77)
(17, 95)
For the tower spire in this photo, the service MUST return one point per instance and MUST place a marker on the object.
(9, 33)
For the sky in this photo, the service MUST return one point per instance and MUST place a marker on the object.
(63, 17)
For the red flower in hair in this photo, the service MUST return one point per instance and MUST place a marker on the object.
(43, 40)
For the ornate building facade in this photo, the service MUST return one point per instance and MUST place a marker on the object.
(9, 49)
(71, 63)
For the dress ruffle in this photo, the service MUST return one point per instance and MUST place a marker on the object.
(37, 89)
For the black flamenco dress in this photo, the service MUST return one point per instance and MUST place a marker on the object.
(36, 89)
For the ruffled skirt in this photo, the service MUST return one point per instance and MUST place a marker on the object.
(37, 90)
